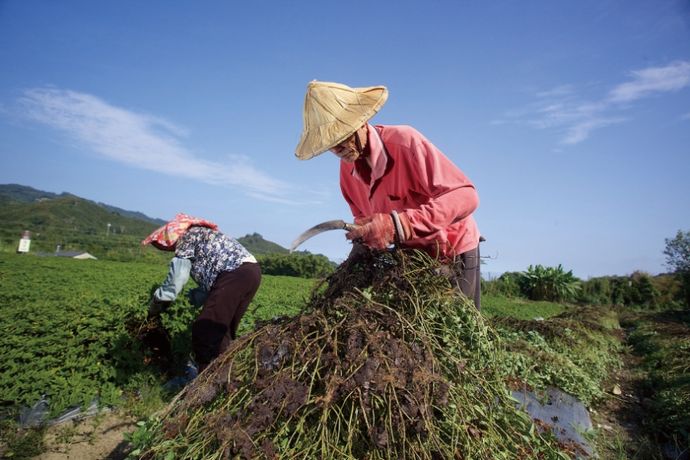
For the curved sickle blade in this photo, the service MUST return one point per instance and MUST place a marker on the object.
(322, 227)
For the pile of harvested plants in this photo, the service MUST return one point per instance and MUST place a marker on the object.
(386, 361)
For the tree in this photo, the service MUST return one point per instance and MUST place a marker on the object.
(677, 253)
(643, 291)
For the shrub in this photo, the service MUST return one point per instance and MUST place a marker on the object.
(639, 289)
(509, 284)
(506, 285)
(549, 283)
(596, 291)
(643, 292)
(303, 265)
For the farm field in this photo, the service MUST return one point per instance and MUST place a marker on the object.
(66, 335)
(64, 326)
(496, 306)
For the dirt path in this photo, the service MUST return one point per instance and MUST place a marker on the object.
(96, 438)
(619, 418)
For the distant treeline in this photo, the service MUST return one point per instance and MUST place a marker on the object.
(555, 284)
(303, 265)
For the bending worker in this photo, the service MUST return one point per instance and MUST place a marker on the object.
(225, 271)
(399, 186)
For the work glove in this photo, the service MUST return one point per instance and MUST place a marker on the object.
(197, 296)
(156, 307)
(379, 230)
(357, 252)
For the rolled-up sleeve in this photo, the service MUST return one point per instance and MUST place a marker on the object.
(178, 275)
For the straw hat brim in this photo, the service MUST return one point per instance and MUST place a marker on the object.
(333, 112)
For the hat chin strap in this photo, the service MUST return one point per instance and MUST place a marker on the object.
(157, 245)
(358, 140)
(364, 152)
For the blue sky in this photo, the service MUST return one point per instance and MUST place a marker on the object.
(571, 118)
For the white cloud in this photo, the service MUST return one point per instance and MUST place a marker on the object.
(559, 91)
(143, 141)
(651, 80)
(560, 108)
(563, 113)
(581, 131)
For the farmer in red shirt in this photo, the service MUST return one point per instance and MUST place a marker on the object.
(399, 186)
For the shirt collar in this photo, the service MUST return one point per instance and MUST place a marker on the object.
(377, 154)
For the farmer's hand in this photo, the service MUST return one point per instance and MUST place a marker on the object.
(156, 307)
(197, 296)
(376, 231)
(358, 251)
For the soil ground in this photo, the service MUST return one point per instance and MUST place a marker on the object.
(96, 438)
(618, 419)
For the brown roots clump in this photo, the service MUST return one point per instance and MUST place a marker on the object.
(386, 361)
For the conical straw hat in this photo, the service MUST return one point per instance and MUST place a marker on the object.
(333, 112)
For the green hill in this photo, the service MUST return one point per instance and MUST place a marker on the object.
(24, 194)
(257, 245)
(76, 223)
(71, 222)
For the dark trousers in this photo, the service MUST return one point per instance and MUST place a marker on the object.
(227, 302)
(466, 277)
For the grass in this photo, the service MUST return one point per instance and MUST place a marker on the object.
(519, 308)
(277, 296)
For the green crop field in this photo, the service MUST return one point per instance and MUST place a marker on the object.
(63, 325)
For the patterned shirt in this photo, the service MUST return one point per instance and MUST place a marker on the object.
(211, 252)
(205, 253)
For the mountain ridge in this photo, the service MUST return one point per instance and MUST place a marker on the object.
(77, 223)
(27, 194)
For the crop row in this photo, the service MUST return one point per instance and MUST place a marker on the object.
(66, 326)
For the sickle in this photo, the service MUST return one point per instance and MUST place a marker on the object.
(322, 227)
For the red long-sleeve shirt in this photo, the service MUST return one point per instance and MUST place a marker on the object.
(411, 175)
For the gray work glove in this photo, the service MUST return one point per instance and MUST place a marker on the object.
(197, 296)
(156, 307)
(358, 251)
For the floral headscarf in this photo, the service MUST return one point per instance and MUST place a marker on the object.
(165, 238)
